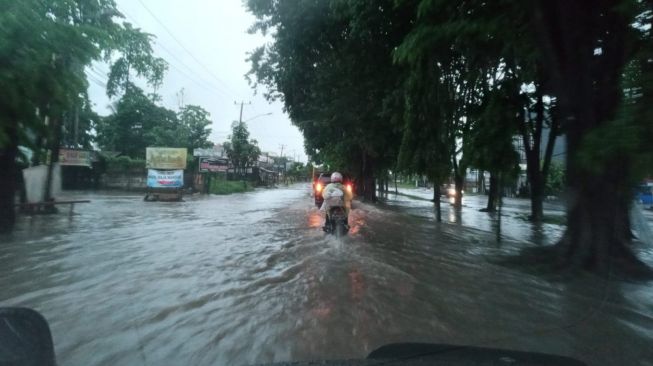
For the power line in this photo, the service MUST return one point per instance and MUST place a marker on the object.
(181, 44)
(99, 75)
(96, 81)
(197, 81)
(192, 76)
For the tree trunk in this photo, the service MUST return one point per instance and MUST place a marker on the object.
(370, 191)
(480, 182)
(8, 170)
(436, 201)
(459, 180)
(396, 189)
(598, 222)
(492, 193)
(369, 183)
(54, 157)
(537, 196)
(598, 225)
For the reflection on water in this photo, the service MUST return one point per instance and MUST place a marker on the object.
(252, 278)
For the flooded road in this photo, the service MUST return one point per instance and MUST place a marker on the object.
(251, 278)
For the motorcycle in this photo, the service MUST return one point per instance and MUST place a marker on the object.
(336, 221)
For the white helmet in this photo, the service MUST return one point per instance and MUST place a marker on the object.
(336, 177)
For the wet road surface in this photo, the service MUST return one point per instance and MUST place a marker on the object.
(251, 278)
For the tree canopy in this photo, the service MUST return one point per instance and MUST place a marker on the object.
(331, 64)
(139, 122)
(241, 150)
(434, 87)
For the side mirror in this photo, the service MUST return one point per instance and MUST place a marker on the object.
(25, 338)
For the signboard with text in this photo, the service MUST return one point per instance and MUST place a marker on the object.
(213, 165)
(165, 178)
(165, 158)
(69, 157)
(214, 152)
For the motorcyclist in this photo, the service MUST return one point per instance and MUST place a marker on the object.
(336, 189)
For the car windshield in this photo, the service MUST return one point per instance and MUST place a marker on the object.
(165, 192)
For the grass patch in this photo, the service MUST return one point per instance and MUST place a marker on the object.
(229, 187)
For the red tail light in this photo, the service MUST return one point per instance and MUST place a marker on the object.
(349, 188)
(318, 187)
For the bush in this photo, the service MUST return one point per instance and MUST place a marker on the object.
(124, 164)
(221, 186)
(555, 181)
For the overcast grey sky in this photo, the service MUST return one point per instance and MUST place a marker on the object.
(215, 34)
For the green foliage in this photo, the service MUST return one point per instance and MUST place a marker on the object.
(331, 65)
(629, 135)
(46, 46)
(555, 181)
(194, 125)
(425, 146)
(223, 186)
(462, 58)
(490, 146)
(135, 49)
(241, 150)
(138, 122)
(78, 125)
(434, 86)
(298, 171)
(124, 164)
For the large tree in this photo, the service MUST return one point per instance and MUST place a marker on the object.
(331, 64)
(241, 150)
(538, 115)
(491, 142)
(138, 121)
(424, 146)
(194, 122)
(587, 46)
(46, 46)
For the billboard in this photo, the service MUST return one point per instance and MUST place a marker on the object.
(69, 157)
(165, 158)
(213, 165)
(215, 152)
(165, 178)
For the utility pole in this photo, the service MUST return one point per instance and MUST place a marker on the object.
(180, 98)
(242, 103)
(76, 126)
(283, 162)
(282, 146)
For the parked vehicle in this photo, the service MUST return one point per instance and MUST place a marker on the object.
(322, 181)
(318, 186)
(644, 194)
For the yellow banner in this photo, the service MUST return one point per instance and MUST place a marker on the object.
(165, 158)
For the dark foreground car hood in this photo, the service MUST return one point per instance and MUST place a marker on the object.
(25, 339)
(421, 354)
